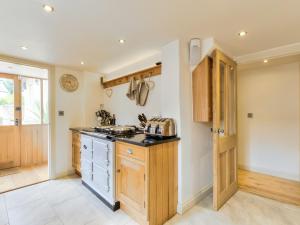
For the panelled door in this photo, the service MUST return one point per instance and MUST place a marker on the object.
(224, 128)
(9, 121)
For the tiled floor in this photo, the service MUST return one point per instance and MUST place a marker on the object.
(20, 177)
(67, 202)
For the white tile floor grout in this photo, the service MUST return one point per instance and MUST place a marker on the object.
(67, 202)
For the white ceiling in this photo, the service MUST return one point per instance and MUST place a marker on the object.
(89, 30)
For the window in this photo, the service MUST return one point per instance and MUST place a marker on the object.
(45, 102)
(6, 102)
(31, 101)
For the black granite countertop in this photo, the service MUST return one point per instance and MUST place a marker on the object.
(137, 139)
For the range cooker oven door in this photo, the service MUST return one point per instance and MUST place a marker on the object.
(101, 180)
(103, 168)
(101, 153)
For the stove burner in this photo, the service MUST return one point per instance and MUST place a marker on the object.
(117, 130)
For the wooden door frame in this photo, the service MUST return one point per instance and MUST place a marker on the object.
(216, 124)
(51, 100)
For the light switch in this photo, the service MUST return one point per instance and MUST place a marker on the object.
(61, 113)
(250, 115)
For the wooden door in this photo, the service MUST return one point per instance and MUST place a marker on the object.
(131, 184)
(9, 121)
(224, 128)
(34, 121)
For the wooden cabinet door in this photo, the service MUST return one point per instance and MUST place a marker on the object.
(131, 183)
(224, 129)
(202, 91)
(76, 151)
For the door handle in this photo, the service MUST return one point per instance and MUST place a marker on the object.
(221, 131)
(218, 131)
(17, 122)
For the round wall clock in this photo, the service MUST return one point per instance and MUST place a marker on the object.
(68, 82)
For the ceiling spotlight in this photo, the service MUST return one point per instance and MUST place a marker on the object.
(266, 61)
(122, 41)
(24, 48)
(48, 8)
(242, 33)
(82, 63)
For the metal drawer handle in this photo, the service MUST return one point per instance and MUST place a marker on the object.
(129, 151)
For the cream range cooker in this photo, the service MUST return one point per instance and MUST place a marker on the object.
(98, 161)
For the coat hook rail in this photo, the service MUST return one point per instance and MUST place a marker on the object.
(150, 72)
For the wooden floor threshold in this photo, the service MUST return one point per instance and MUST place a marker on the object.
(276, 188)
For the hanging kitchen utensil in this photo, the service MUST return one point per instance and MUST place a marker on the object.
(151, 84)
(142, 93)
(132, 89)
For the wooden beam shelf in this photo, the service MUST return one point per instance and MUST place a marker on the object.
(150, 72)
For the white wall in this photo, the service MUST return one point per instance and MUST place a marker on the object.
(79, 111)
(126, 110)
(93, 97)
(196, 141)
(269, 142)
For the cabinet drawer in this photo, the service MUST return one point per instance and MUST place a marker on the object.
(131, 151)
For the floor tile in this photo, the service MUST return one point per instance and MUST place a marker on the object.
(22, 196)
(58, 192)
(76, 211)
(67, 202)
(55, 221)
(36, 212)
(3, 213)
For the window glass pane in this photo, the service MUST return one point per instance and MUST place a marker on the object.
(31, 101)
(6, 102)
(232, 101)
(45, 102)
(222, 98)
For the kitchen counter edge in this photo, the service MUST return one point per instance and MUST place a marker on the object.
(136, 140)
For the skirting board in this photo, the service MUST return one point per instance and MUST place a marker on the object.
(64, 174)
(269, 186)
(182, 208)
(294, 177)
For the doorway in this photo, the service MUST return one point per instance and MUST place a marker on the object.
(24, 129)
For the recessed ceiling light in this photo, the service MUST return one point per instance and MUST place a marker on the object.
(48, 8)
(82, 63)
(122, 41)
(266, 61)
(242, 33)
(24, 48)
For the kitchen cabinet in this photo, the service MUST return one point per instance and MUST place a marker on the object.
(202, 91)
(76, 151)
(147, 186)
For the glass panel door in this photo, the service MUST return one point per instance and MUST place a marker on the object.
(31, 101)
(7, 102)
(9, 126)
(45, 102)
